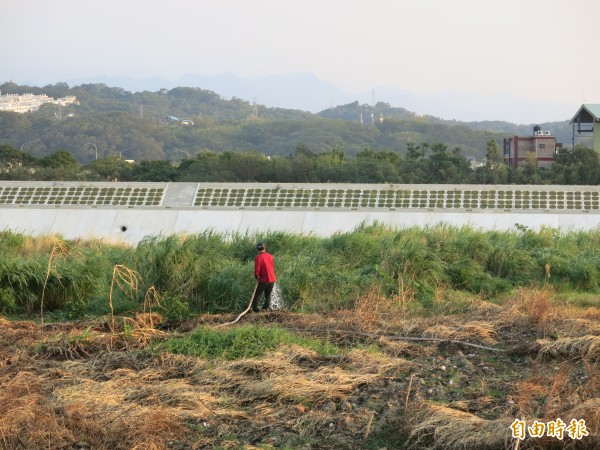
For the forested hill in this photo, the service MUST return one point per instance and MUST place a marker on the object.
(112, 121)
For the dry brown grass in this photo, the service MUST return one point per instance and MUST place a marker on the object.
(529, 307)
(106, 391)
(142, 326)
(539, 307)
(38, 245)
(477, 331)
(587, 347)
(16, 333)
(529, 394)
(558, 392)
(127, 281)
(283, 375)
(27, 418)
(134, 410)
(440, 427)
(373, 310)
(588, 410)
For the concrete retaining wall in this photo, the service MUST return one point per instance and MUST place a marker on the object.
(180, 212)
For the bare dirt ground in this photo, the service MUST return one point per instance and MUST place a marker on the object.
(84, 386)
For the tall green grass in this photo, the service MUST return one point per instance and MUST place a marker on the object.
(69, 285)
(210, 272)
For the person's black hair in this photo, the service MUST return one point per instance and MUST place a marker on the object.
(260, 247)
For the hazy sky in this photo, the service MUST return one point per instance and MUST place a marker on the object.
(535, 49)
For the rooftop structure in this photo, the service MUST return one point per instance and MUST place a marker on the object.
(587, 120)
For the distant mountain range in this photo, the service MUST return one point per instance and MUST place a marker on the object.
(304, 91)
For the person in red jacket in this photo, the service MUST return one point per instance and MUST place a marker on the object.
(264, 272)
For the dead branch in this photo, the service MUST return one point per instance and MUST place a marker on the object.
(405, 338)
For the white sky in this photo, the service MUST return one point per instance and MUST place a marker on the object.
(535, 49)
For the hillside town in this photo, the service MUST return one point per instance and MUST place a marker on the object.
(31, 102)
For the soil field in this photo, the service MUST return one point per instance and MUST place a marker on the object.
(472, 379)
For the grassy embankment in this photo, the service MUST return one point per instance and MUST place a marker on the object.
(209, 273)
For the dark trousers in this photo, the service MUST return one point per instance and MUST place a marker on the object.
(267, 288)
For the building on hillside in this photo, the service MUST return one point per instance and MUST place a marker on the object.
(587, 120)
(173, 119)
(542, 144)
(31, 102)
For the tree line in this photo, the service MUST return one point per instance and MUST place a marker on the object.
(422, 164)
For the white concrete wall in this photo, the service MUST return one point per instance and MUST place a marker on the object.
(132, 225)
(178, 212)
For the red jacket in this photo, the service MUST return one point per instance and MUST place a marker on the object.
(264, 268)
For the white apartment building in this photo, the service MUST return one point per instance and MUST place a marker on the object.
(31, 102)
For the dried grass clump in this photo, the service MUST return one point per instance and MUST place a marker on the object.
(478, 331)
(376, 363)
(12, 333)
(538, 304)
(40, 244)
(105, 362)
(76, 343)
(173, 365)
(590, 411)
(592, 313)
(134, 409)
(16, 325)
(309, 424)
(127, 280)
(155, 429)
(577, 326)
(273, 365)
(324, 384)
(142, 326)
(440, 427)
(533, 306)
(528, 393)
(277, 376)
(397, 349)
(27, 420)
(373, 310)
(587, 347)
(483, 310)
(527, 306)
